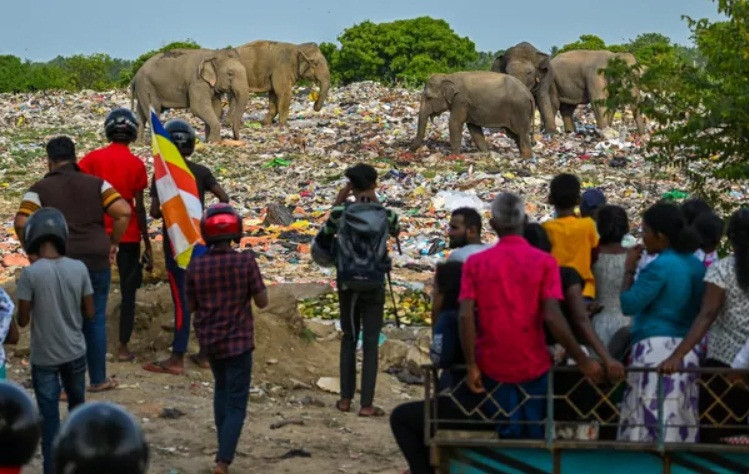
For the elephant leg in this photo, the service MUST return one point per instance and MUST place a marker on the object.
(272, 108)
(218, 108)
(456, 132)
(203, 109)
(598, 94)
(639, 121)
(567, 111)
(477, 133)
(284, 101)
(523, 141)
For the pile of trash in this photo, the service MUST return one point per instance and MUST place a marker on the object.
(413, 307)
(283, 179)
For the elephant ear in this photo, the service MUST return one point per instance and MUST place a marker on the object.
(207, 71)
(543, 63)
(305, 63)
(449, 89)
(500, 64)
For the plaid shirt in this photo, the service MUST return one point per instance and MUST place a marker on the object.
(220, 285)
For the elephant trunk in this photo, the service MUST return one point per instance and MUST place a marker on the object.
(237, 106)
(424, 115)
(324, 85)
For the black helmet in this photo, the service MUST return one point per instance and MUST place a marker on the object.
(100, 438)
(121, 126)
(45, 224)
(20, 426)
(219, 223)
(182, 135)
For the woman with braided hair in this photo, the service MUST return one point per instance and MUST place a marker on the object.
(725, 314)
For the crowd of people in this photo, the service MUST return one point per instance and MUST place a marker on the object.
(574, 290)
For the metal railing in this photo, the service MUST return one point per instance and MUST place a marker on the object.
(582, 414)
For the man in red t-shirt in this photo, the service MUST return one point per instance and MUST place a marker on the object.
(127, 174)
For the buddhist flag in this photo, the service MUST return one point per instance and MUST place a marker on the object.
(178, 194)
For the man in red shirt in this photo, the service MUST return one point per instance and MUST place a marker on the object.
(127, 174)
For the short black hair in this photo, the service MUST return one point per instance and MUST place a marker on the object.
(471, 217)
(448, 275)
(691, 208)
(536, 235)
(564, 191)
(61, 149)
(710, 227)
(667, 219)
(362, 176)
(612, 224)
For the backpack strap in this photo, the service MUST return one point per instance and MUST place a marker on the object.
(395, 305)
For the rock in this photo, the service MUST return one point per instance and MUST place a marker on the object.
(171, 413)
(311, 401)
(271, 361)
(393, 353)
(278, 214)
(329, 384)
(321, 330)
(298, 384)
(415, 358)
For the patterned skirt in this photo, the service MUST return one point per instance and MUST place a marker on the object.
(639, 408)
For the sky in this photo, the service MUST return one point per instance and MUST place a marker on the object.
(40, 30)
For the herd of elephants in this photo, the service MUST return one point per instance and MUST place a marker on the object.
(522, 79)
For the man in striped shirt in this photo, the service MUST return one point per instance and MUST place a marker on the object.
(83, 200)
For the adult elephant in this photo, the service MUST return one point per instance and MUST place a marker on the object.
(564, 82)
(479, 99)
(275, 67)
(194, 79)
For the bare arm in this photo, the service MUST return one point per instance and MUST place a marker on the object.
(562, 334)
(13, 333)
(343, 194)
(24, 313)
(437, 302)
(468, 343)
(87, 306)
(261, 299)
(155, 210)
(712, 301)
(18, 224)
(219, 192)
(140, 214)
(120, 213)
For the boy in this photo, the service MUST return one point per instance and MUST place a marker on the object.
(57, 292)
(220, 285)
(126, 172)
(360, 230)
(573, 239)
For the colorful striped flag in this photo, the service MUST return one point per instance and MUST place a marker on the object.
(178, 194)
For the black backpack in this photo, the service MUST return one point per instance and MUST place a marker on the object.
(361, 251)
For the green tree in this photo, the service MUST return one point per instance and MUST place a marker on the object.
(400, 51)
(126, 75)
(484, 61)
(701, 114)
(89, 72)
(12, 74)
(585, 42)
(330, 51)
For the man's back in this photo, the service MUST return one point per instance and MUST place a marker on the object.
(125, 172)
(55, 288)
(508, 283)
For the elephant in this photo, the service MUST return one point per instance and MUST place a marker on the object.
(480, 99)
(275, 67)
(194, 79)
(564, 82)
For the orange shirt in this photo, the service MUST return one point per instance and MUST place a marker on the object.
(572, 242)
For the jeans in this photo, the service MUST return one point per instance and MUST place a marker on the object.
(232, 377)
(95, 330)
(360, 310)
(46, 382)
(131, 277)
(177, 286)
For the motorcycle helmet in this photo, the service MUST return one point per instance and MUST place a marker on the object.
(20, 426)
(182, 135)
(121, 126)
(100, 438)
(221, 222)
(45, 224)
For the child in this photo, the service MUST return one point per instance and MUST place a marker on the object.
(220, 285)
(446, 351)
(573, 239)
(56, 291)
(8, 328)
(710, 228)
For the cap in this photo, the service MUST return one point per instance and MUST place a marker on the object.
(591, 200)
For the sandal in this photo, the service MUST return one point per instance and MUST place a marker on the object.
(200, 362)
(343, 406)
(159, 367)
(376, 411)
(110, 384)
(126, 358)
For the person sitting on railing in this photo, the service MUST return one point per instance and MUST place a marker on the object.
(665, 301)
(725, 314)
(516, 289)
(445, 350)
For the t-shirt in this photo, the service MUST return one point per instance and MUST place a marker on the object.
(83, 200)
(509, 282)
(6, 316)
(204, 180)
(461, 254)
(126, 173)
(731, 328)
(572, 242)
(55, 288)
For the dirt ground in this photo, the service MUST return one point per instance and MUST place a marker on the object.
(287, 363)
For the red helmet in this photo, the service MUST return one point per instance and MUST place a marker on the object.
(221, 222)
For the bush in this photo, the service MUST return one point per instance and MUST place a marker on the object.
(400, 51)
(126, 75)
